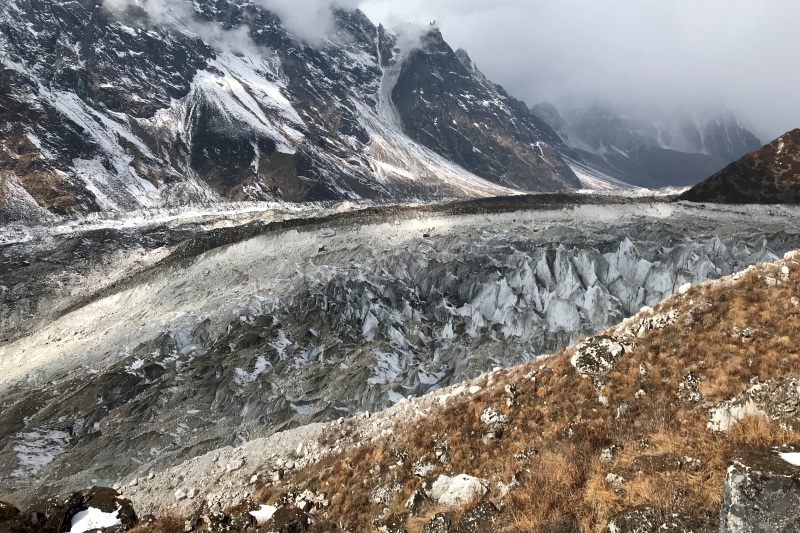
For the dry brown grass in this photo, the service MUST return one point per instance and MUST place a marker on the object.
(562, 485)
(172, 523)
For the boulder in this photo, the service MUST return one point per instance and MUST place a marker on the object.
(493, 424)
(640, 519)
(479, 519)
(458, 490)
(439, 523)
(596, 355)
(762, 493)
(777, 399)
(288, 520)
(7, 512)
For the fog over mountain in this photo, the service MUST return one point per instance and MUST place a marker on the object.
(736, 53)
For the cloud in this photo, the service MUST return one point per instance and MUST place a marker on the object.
(665, 53)
(308, 20)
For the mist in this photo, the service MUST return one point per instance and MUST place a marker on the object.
(310, 21)
(738, 54)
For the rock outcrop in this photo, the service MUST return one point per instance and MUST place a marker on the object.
(762, 493)
(777, 400)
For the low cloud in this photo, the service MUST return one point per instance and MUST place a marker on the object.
(668, 53)
(310, 21)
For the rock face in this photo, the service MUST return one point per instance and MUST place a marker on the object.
(440, 92)
(762, 493)
(106, 109)
(649, 149)
(777, 400)
(770, 175)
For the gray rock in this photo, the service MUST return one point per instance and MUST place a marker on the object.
(762, 493)
(479, 519)
(458, 490)
(440, 523)
(777, 399)
(640, 519)
(597, 355)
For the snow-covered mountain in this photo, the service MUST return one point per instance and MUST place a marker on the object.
(649, 148)
(160, 103)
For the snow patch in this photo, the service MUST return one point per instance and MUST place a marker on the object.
(93, 518)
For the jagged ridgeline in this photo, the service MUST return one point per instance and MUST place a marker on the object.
(212, 101)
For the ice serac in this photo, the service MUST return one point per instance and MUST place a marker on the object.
(215, 101)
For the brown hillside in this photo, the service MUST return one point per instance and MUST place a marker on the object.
(770, 175)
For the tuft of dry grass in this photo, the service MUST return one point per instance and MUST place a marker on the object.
(171, 523)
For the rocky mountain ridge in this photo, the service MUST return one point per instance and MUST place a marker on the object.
(649, 148)
(768, 175)
(212, 101)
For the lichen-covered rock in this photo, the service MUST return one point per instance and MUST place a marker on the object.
(493, 424)
(762, 494)
(479, 519)
(597, 355)
(777, 399)
(458, 490)
(640, 519)
(440, 523)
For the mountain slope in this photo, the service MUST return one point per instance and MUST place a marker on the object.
(770, 175)
(649, 149)
(214, 100)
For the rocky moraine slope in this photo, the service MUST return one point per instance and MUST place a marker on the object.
(130, 345)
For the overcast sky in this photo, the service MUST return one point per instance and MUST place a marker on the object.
(741, 53)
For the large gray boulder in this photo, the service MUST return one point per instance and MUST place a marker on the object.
(762, 494)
